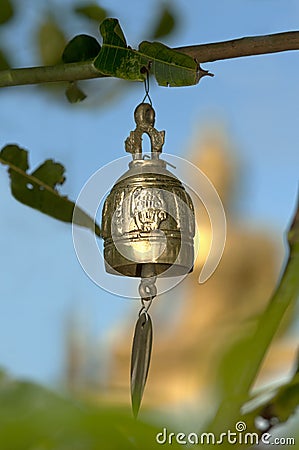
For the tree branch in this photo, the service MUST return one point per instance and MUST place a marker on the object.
(236, 48)
(47, 74)
(248, 46)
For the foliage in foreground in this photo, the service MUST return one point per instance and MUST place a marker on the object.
(32, 417)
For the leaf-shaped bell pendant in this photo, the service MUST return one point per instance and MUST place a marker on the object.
(148, 228)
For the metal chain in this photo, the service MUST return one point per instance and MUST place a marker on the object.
(147, 88)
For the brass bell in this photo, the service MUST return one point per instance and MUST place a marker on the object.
(148, 220)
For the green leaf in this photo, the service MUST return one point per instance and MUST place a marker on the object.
(51, 42)
(74, 94)
(112, 33)
(33, 417)
(6, 11)
(293, 234)
(92, 11)
(115, 58)
(170, 67)
(166, 24)
(81, 48)
(38, 189)
(283, 403)
(4, 64)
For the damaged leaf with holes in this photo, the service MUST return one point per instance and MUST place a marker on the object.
(38, 189)
(117, 59)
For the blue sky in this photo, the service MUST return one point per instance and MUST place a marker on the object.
(257, 99)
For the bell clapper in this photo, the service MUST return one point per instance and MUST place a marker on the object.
(143, 338)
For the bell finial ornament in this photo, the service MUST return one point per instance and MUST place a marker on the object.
(145, 120)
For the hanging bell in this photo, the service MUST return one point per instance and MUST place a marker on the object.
(148, 220)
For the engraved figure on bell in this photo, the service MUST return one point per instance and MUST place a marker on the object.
(148, 208)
